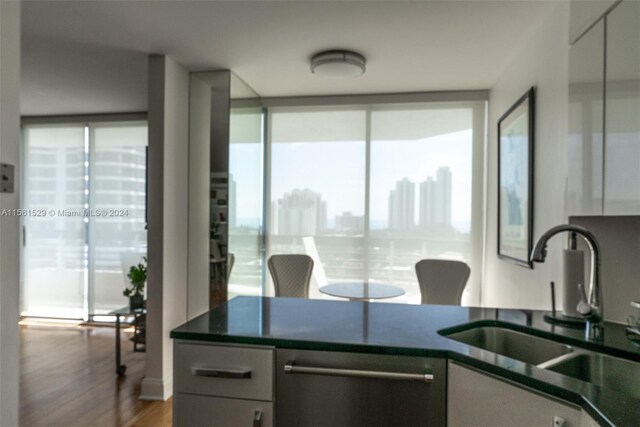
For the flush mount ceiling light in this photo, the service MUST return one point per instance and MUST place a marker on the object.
(338, 63)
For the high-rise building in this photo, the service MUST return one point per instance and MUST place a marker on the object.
(427, 197)
(275, 216)
(301, 212)
(435, 199)
(401, 205)
(349, 223)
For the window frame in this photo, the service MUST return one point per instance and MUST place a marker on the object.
(476, 100)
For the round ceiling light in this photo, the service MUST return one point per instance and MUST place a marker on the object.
(338, 63)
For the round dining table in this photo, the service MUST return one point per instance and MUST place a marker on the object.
(361, 291)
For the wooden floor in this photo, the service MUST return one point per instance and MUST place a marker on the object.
(68, 378)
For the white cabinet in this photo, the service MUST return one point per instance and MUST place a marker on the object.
(604, 116)
(221, 412)
(222, 385)
(587, 421)
(477, 399)
(622, 139)
(586, 122)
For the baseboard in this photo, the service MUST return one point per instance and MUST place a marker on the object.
(155, 389)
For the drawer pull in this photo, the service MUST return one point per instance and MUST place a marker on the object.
(202, 371)
(291, 368)
(257, 418)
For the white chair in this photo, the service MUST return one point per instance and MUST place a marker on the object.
(442, 281)
(291, 275)
(318, 276)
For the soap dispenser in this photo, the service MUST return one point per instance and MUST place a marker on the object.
(573, 276)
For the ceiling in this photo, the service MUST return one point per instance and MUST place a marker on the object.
(83, 57)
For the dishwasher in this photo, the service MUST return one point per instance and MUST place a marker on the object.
(333, 389)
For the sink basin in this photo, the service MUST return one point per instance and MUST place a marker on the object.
(516, 345)
(604, 371)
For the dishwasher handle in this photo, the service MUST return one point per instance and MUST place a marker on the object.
(292, 368)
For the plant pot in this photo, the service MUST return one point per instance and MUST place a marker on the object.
(136, 302)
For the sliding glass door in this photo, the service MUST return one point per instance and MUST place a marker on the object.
(83, 216)
(55, 248)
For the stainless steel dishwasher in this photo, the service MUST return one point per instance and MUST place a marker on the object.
(321, 388)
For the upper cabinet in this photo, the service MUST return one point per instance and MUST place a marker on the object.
(622, 118)
(604, 116)
(586, 122)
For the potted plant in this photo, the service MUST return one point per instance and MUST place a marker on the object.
(137, 276)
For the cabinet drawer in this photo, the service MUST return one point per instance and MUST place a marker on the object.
(212, 370)
(193, 410)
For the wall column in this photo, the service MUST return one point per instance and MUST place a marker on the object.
(9, 225)
(168, 211)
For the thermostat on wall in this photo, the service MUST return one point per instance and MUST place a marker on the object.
(6, 178)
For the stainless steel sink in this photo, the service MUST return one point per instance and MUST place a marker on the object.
(516, 345)
(596, 368)
(604, 371)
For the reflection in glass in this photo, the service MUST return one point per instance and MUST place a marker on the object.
(245, 200)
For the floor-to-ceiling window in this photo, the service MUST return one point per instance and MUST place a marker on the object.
(83, 215)
(368, 191)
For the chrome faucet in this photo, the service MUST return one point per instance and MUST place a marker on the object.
(592, 308)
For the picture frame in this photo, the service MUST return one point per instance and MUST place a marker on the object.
(515, 181)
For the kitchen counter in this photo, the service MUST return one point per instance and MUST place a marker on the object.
(403, 329)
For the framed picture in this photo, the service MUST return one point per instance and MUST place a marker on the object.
(515, 181)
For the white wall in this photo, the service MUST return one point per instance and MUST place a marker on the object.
(542, 62)
(9, 225)
(167, 219)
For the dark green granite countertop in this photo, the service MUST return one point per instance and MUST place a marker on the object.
(404, 329)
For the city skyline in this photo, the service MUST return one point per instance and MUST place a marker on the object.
(435, 199)
(402, 205)
(336, 169)
(304, 212)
